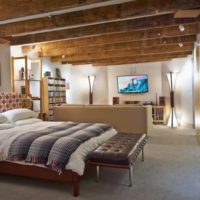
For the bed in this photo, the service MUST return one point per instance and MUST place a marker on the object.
(34, 148)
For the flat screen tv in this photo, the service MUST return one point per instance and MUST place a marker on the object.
(132, 84)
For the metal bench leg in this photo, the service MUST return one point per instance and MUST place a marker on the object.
(130, 175)
(142, 154)
(97, 173)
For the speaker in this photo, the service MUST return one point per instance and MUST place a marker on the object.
(115, 100)
(162, 101)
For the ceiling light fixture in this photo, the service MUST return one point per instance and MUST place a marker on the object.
(180, 44)
(181, 27)
(63, 56)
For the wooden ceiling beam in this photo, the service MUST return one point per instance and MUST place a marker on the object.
(127, 52)
(132, 59)
(93, 30)
(97, 49)
(10, 9)
(105, 14)
(149, 33)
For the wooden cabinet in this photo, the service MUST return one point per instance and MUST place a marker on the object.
(26, 77)
(158, 113)
(54, 93)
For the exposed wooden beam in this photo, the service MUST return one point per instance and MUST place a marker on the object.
(133, 59)
(56, 51)
(127, 52)
(94, 30)
(4, 41)
(12, 9)
(148, 34)
(105, 14)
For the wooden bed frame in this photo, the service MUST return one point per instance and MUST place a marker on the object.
(41, 173)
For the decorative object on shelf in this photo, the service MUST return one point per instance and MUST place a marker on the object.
(31, 75)
(47, 73)
(91, 80)
(58, 73)
(172, 122)
(22, 73)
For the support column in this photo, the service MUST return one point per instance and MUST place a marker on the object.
(197, 85)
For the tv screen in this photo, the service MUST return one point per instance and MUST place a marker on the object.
(132, 84)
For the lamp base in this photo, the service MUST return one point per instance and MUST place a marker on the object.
(90, 98)
(172, 122)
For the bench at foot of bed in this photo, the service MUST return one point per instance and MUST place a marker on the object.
(120, 151)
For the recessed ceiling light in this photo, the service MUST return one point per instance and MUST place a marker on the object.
(159, 34)
(181, 27)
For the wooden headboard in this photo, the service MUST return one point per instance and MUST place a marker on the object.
(9, 101)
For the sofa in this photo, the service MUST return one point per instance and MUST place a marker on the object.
(124, 118)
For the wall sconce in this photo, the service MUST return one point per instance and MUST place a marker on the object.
(91, 80)
(172, 122)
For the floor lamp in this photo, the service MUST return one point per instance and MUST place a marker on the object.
(91, 80)
(172, 122)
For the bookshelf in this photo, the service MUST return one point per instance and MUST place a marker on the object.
(158, 113)
(26, 77)
(54, 93)
(19, 77)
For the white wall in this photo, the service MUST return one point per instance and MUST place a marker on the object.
(105, 87)
(79, 85)
(153, 70)
(5, 68)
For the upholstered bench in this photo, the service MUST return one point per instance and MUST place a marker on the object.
(120, 151)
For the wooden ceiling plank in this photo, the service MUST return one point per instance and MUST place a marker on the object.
(103, 15)
(133, 35)
(111, 27)
(10, 9)
(124, 53)
(116, 46)
(132, 59)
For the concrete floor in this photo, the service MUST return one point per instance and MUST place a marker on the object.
(171, 171)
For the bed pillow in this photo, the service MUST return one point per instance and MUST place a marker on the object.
(6, 126)
(19, 114)
(3, 119)
(27, 121)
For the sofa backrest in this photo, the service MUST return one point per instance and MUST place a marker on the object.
(123, 118)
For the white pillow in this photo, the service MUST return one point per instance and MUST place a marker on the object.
(6, 126)
(3, 119)
(27, 121)
(19, 114)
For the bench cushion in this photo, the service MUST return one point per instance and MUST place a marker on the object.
(121, 149)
